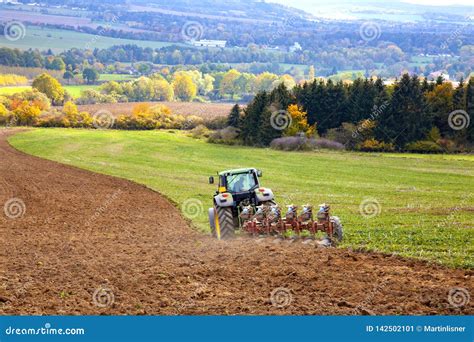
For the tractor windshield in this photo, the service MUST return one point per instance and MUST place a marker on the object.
(241, 182)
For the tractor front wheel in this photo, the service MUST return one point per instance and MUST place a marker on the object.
(222, 223)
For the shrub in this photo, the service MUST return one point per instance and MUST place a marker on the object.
(192, 121)
(5, 115)
(373, 145)
(34, 97)
(423, 146)
(53, 118)
(216, 123)
(302, 143)
(91, 96)
(347, 134)
(297, 143)
(26, 113)
(226, 136)
(146, 117)
(200, 131)
(326, 144)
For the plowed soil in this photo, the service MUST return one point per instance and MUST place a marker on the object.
(93, 244)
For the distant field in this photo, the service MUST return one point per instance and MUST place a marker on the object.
(13, 90)
(60, 40)
(206, 110)
(116, 77)
(74, 90)
(423, 205)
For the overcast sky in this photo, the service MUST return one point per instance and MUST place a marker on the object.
(311, 3)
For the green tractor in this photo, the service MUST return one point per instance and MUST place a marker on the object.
(242, 203)
(237, 189)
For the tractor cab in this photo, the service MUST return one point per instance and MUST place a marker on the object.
(242, 185)
(236, 189)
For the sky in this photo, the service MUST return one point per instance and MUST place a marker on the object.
(397, 10)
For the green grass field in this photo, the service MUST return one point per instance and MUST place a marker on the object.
(58, 40)
(426, 205)
(74, 90)
(13, 90)
(116, 77)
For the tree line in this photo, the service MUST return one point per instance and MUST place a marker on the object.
(411, 114)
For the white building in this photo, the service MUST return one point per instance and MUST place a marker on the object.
(209, 43)
(296, 47)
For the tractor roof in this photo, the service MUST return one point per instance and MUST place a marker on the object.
(236, 171)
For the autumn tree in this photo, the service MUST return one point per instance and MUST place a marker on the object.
(184, 88)
(49, 86)
(298, 122)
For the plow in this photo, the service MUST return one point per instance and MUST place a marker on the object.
(241, 203)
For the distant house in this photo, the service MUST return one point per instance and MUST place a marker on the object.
(296, 47)
(209, 43)
(434, 75)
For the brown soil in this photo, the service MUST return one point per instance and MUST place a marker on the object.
(204, 110)
(83, 231)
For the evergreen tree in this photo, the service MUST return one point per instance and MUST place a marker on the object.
(469, 105)
(234, 117)
(459, 96)
(252, 118)
(406, 119)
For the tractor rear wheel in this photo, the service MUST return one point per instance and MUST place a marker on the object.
(222, 226)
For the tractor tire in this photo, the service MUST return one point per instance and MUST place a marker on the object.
(338, 233)
(223, 227)
(212, 222)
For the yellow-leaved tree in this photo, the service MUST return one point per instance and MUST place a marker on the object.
(51, 87)
(184, 87)
(299, 122)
